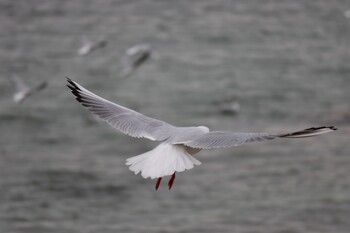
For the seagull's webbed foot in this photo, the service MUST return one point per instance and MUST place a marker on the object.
(158, 183)
(171, 181)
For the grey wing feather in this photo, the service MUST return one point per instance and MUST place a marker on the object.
(126, 120)
(218, 139)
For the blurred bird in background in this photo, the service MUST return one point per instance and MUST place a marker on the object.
(23, 91)
(135, 57)
(89, 46)
(230, 108)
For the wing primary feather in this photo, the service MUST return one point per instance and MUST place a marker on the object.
(310, 132)
(121, 118)
(220, 139)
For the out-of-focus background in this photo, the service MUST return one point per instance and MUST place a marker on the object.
(287, 64)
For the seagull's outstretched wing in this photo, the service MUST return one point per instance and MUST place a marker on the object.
(126, 120)
(135, 124)
(219, 139)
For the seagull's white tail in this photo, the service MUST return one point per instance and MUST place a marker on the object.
(163, 160)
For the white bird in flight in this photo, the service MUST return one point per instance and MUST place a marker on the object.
(136, 56)
(89, 46)
(178, 144)
(23, 91)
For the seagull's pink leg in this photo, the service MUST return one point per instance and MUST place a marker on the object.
(158, 183)
(171, 181)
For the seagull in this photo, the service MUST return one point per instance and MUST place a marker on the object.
(177, 144)
(135, 57)
(89, 46)
(23, 91)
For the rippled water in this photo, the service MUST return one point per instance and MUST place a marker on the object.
(285, 62)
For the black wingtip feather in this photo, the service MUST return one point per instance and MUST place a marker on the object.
(322, 127)
(72, 85)
(75, 90)
(309, 132)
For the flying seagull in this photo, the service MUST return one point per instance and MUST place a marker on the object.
(134, 57)
(89, 46)
(178, 144)
(23, 91)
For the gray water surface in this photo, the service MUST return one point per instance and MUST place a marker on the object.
(286, 62)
